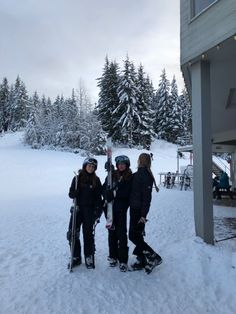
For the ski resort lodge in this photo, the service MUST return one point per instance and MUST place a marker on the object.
(208, 64)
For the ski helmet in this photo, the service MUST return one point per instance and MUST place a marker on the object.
(122, 159)
(91, 161)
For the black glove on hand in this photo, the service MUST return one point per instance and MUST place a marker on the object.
(109, 195)
(68, 235)
(106, 166)
(74, 193)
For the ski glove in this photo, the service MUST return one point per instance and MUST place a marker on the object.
(106, 166)
(68, 235)
(74, 194)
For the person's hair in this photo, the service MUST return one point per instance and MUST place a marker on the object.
(144, 160)
(85, 177)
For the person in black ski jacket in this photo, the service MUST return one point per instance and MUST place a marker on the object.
(140, 200)
(119, 194)
(88, 195)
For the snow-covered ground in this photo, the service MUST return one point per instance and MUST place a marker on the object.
(34, 207)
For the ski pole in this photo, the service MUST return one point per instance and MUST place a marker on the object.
(226, 238)
(73, 231)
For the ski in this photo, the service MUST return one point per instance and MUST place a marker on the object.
(109, 218)
(73, 227)
(94, 248)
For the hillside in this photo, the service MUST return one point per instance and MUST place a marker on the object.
(34, 207)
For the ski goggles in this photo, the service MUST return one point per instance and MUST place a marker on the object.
(122, 160)
(91, 161)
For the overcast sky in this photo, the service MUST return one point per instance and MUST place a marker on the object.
(52, 44)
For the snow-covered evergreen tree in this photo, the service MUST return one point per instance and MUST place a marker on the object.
(126, 112)
(186, 109)
(32, 132)
(71, 122)
(71, 110)
(108, 99)
(162, 107)
(4, 105)
(58, 113)
(103, 105)
(46, 121)
(92, 137)
(19, 105)
(143, 126)
(174, 129)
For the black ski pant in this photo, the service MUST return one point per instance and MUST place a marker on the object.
(117, 237)
(136, 235)
(85, 219)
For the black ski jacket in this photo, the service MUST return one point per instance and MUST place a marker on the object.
(141, 192)
(121, 190)
(87, 196)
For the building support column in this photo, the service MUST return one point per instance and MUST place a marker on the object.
(202, 151)
(233, 170)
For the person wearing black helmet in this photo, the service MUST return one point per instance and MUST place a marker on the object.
(117, 235)
(88, 195)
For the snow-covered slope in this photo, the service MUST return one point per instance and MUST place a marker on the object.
(34, 209)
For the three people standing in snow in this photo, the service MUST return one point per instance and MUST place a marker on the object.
(128, 190)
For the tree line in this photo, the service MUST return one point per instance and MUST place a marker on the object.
(129, 110)
(66, 123)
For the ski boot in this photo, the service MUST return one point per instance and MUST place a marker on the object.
(123, 267)
(139, 264)
(76, 261)
(112, 261)
(153, 260)
(89, 262)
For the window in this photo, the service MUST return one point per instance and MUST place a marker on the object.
(200, 5)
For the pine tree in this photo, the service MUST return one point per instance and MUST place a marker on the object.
(4, 105)
(71, 122)
(186, 109)
(162, 106)
(59, 120)
(32, 132)
(108, 99)
(19, 105)
(175, 126)
(92, 136)
(143, 131)
(46, 121)
(126, 112)
(72, 109)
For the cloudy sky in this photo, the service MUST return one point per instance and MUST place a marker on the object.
(53, 44)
